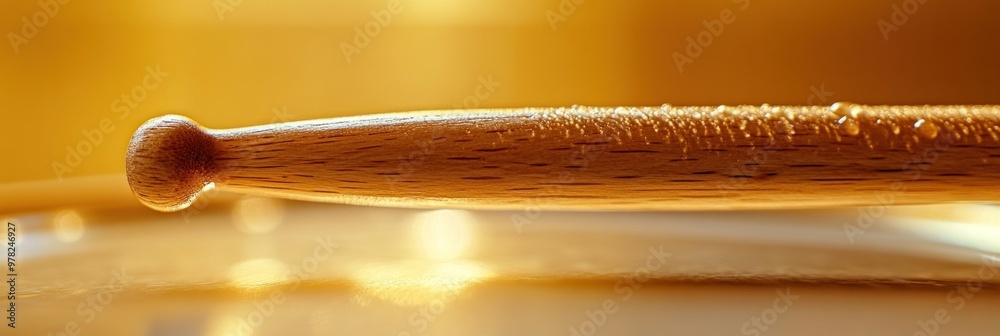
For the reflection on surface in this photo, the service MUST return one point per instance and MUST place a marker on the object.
(328, 269)
(979, 229)
(225, 325)
(258, 273)
(437, 272)
(255, 215)
(443, 235)
(412, 282)
(69, 226)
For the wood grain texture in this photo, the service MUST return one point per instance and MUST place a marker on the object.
(678, 158)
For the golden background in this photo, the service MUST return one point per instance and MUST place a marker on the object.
(256, 62)
(229, 63)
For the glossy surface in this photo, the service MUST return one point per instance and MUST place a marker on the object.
(350, 269)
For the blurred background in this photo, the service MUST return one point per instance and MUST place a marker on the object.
(228, 63)
(78, 77)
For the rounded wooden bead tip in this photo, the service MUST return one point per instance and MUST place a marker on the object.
(169, 161)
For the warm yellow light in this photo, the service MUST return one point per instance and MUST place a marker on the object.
(439, 271)
(443, 234)
(413, 283)
(974, 226)
(69, 226)
(227, 324)
(258, 273)
(255, 215)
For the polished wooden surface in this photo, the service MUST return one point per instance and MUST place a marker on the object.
(315, 269)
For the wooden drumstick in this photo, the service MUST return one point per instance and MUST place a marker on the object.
(681, 158)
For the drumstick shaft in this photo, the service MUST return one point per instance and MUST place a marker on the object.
(690, 158)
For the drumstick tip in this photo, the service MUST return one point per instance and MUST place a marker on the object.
(170, 160)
